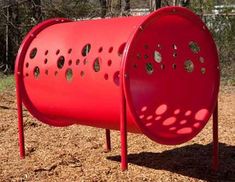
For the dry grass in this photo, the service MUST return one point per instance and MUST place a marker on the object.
(76, 153)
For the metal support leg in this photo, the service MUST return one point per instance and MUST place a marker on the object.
(108, 141)
(123, 131)
(215, 163)
(20, 119)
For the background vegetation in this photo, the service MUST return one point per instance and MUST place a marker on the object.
(17, 17)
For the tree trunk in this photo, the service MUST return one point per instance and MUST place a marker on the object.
(103, 4)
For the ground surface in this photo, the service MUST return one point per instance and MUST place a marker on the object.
(76, 153)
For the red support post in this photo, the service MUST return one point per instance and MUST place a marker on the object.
(20, 118)
(108, 140)
(215, 163)
(123, 131)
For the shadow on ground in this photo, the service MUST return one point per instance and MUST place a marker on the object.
(193, 161)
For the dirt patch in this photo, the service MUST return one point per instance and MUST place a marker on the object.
(76, 153)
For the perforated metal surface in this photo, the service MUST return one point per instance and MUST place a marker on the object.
(169, 65)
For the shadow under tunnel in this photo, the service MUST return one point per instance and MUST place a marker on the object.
(192, 161)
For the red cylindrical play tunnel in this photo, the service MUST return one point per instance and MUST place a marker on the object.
(70, 73)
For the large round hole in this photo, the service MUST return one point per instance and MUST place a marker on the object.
(33, 53)
(60, 62)
(121, 49)
(86, 49)
(149, 68)
(69, 74)
(188, 66)
(194, 47)
(36, 72)
(96, 65)
(157, 57)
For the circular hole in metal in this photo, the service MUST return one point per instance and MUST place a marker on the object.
(157, 57)
(36, 72)
(96, 65)
(45, 61)
(85, 61)
(138, 56)
(174, 54)
(100, 49)
(121, 49)
(60, 62)
(86, 49)
(27, 65)
(33, 53)
(46, 72)
(82, 73)
(69, 51)
(109, 62)
(146, 46)
(174, 66)
(201, 59)
(174, 46)
(110, 49)
(106, 76)
(162, 66)
(69, 74)
(188, 66)
(116, 78)
(56, 73)
(135, 66)
(70, 62)
(194, 47)
(46, 52)
(149, 68)
(77, 61)
(26, 74)
(203, 71)
(57, 51)
(159, 46)
(146, 56)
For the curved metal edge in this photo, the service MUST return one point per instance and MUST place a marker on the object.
(20, 90)
(124, 76)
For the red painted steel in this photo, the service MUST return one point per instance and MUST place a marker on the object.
(163, 68)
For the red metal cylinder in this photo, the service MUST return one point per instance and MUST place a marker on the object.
(169, 65)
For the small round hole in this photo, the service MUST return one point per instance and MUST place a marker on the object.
(45, 61)
(82, 73)
(27, 65)
(100, 49)
(157, 57)
(77, 61)
(174, 66)
(149, 68)
(174, 47)
(69, 74)
(162, 66)
(33, 53)
(46, 72)
(69, 51)
(146, 56)
(85, 61)
(109, 62)
(194, 47)
(146, 46)
(138, 56)
(96, 65)
(159, 46)
(110, 49)
(56, 73)
(86, 49)
(60, 62)
(116, 78)
(57, 51)
(201, 59)
(70, 62)
(26, 74)
(174, 54)
(188, 66)
(203, 71)
(121, 49)
(135, 66)
(36, 72)
(46, 52)
(106, 76)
